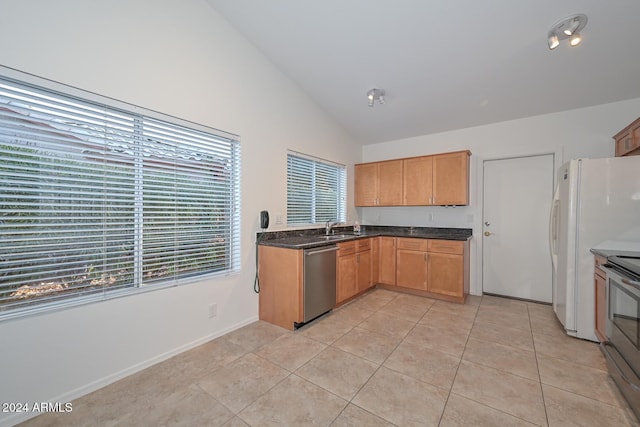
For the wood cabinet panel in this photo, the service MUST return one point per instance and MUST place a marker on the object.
(446, 246)
(439, 179)
(627, 141)
(353, 269)
(346, 248)
(411, 269)
(281, 276)
(433, 267)
(446, 274)
(413, 244)
(363, 271)
(390, 183)
(366, 184)
(417, 183)
(375, 257)
(346, 281)
(451, 178)
(378, 183)
(600, 293)
(387, 260)
(601, 306)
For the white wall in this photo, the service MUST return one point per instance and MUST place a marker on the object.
(571, 134)
(180, 58)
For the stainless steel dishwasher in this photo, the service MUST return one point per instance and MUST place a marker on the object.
(319, 286)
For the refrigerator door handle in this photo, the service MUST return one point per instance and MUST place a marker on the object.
(553, 229)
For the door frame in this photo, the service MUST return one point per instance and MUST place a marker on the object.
(557, 161)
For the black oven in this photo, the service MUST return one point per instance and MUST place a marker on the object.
(622, 349)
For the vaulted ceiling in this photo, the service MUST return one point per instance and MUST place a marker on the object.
(445, 64)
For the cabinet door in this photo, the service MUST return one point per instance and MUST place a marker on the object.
(601, 306)
(417, 183)
(387, 261)
(366, 184)
(635, 138)
(446, 274)
(411, 269)
(390, 183)
(363, 270)
(624, 144)
(346, 272)
(451, 178)
(375, 256)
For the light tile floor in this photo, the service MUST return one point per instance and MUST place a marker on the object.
(385, 359)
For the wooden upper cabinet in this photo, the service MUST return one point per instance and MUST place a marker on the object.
(390, 183)
(628, 140)
(379, 183)
(440, 179)
(418, 181)
(451, 178)
(366, 184)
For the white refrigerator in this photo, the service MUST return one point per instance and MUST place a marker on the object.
(596, 205)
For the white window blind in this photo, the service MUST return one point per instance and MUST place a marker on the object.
(316, 190)
(95, 200)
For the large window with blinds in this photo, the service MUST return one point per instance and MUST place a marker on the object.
(316, 190)
(98, 201)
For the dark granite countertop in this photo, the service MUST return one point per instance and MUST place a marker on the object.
(315, 237)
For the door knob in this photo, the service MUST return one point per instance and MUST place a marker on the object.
(486, 233)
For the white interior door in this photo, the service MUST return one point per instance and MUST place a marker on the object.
(515, 248)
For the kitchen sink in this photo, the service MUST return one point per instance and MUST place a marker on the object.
(337, 236)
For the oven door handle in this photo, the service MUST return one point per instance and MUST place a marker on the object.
(631, 282)
(613, 363)
(615, 275)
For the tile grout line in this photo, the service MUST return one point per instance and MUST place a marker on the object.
(535, 352)
(444, 408)
(350, 402)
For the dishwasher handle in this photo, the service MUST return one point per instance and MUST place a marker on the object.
(319, 251)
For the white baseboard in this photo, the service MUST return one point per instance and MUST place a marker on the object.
(17, 418)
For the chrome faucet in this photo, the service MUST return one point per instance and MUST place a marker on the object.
(328, 226)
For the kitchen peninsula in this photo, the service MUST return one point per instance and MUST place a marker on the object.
(426, 261)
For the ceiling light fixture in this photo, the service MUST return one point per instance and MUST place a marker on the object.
(567, 28)
(375, 95)
(575, 39)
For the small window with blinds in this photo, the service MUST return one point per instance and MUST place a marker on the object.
(316, 190)
(97, 201)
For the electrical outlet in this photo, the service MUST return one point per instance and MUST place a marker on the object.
(279, 218)
(213, 310)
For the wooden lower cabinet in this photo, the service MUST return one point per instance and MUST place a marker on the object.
(431, 267)
(281, 278)
(354, 269)
(363, 271)
(346, 285)
(411, 263)
(446, 274)
(387, 260)
(601, 299)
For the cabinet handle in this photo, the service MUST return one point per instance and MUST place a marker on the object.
(358, 258)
